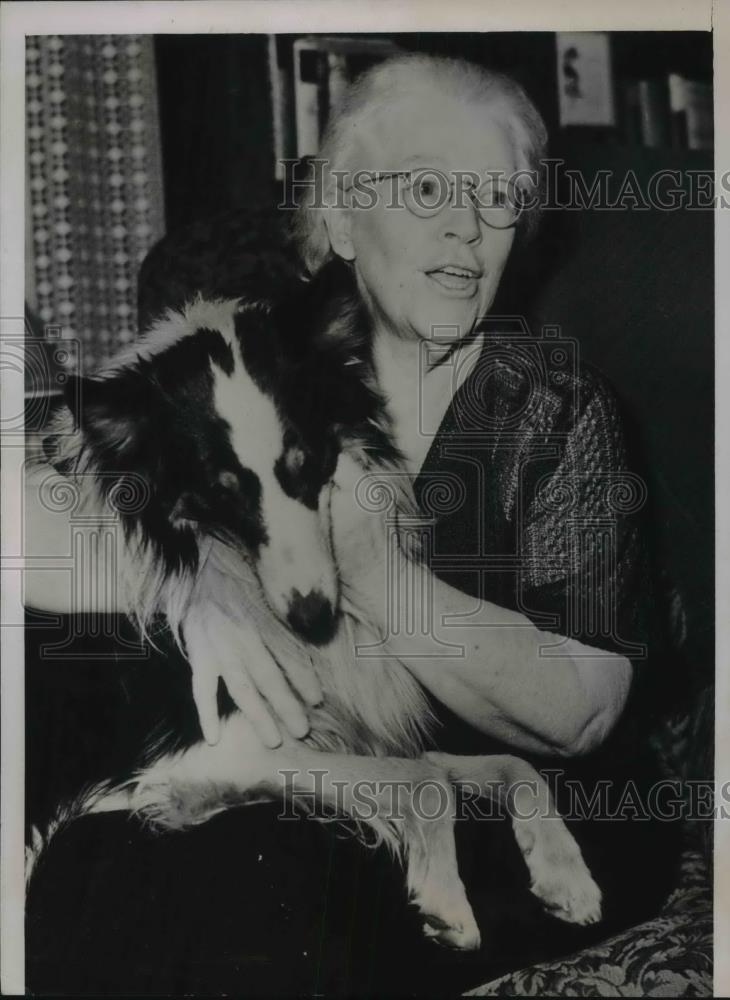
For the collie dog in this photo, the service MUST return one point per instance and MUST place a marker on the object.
(236, 417)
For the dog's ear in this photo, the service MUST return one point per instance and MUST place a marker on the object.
(72, 390)
(115, 412)
(102, 396)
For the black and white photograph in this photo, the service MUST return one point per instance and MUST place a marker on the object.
(359, 523)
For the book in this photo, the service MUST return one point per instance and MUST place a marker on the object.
(337, 80)
(700, 126)
(691, 113)
(281, 83)
(631, 115)
(323, 67)
(654, 113)
(677, 108)
(310, 81)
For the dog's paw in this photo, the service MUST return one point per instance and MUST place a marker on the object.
(447, 916)
(562, 882)
(462, 936)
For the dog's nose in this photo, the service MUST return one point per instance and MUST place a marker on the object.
(312, 616)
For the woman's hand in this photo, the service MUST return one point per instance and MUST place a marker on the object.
(266, 692)
(272, 695)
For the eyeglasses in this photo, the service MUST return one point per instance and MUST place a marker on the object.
(426, 192)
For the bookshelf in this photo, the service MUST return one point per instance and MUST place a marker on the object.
(308, 76)
(650, 89)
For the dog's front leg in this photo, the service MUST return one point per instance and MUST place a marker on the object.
(408, 803)
(560, 877)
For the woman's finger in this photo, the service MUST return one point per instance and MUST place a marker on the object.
(209, 661)
(270, 681)
(249, 701)
(234, 647)
(205, 696)
(204, 683)
(302, 676)
(229, 645)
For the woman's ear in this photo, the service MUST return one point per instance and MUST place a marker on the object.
(338, 221)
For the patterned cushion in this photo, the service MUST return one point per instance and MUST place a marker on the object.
(670, 956)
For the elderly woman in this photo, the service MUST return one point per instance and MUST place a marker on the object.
(430, 181)
(460, 150)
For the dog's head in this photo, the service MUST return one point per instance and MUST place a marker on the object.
(235, 415)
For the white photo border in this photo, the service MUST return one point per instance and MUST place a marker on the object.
(312, 16)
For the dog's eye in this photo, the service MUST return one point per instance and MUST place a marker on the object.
(294, 459)
(302, 470)
(237, 489)
(228, 481)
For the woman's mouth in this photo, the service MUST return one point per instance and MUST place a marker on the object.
(456, 280)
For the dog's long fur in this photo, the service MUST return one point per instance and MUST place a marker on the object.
(206, 551)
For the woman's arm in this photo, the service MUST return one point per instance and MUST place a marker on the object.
(487, 664)
(496, 672)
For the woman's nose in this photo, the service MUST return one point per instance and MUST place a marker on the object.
(462, 220)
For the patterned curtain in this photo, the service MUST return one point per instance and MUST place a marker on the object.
(94, 185)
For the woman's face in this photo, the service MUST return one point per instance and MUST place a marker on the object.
(400, 257)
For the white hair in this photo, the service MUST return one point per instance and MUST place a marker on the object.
(378, 90)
